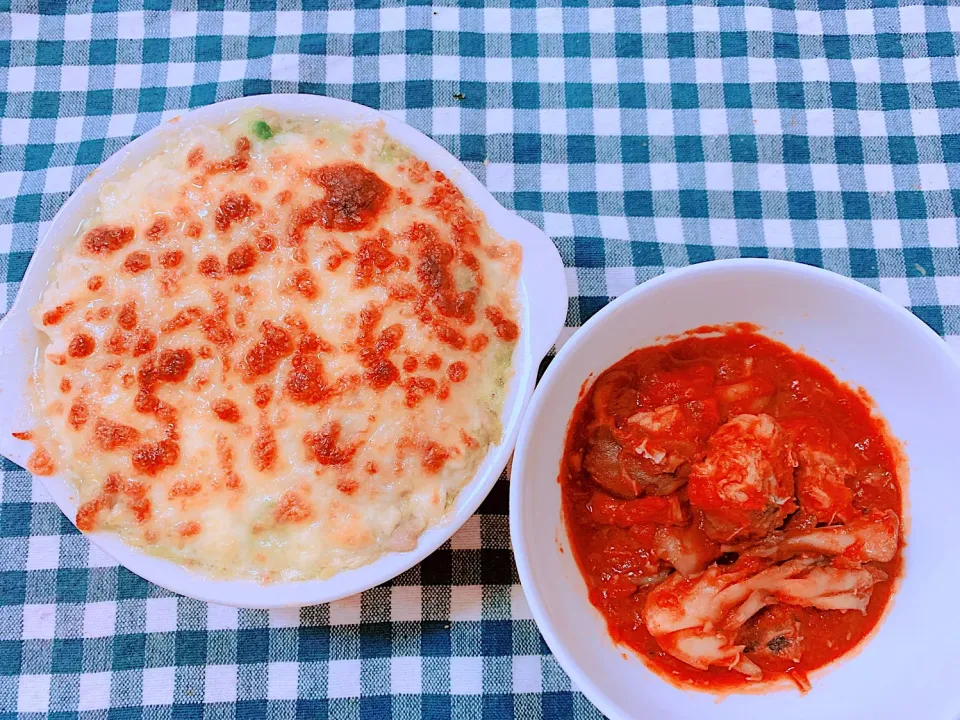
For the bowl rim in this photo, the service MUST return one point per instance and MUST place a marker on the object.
(542, 294)
(518, 531)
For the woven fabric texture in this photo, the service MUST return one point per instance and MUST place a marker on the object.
(641, 137)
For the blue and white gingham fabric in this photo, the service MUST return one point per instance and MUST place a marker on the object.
(640, 136)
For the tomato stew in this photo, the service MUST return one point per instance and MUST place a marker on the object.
(734, 509)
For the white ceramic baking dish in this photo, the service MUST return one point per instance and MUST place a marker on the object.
(543, 296)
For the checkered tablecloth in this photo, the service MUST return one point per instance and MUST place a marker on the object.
(639, 138)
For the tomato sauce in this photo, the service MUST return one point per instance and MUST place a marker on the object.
(692, 386)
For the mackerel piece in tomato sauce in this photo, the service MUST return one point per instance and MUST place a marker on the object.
(724, 459)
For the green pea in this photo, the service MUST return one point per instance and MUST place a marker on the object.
(262, 130)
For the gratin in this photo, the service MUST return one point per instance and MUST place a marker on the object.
(277, 349)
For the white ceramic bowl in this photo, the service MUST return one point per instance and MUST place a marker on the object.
(909, 668)
(543, 297)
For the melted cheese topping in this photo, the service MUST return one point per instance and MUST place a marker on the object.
(277, 349)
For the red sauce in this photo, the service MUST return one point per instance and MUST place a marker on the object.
(174, 365)
(435, 274)
(153, 458)
(234, 207)
(507, 330)
(470, 261)
(41, 463)
(262, 395)
(86, 519)
(417, 388)
(193, 229)
(434, 457)
(117, 342)
(370, 316)
(158, 229)
(194, 157)
(216, 330)
(107, 239)
(389, 339)
(450, 336)
(241, 260)
(108, 435)
(136, 262)
(184, 489)
(224, 452)
(171, 258)
(209, 266)
(306, 384)
(447, 201)
(292, 508)
(266, 242)
(127, 317)
(355, 196)
(168, 283)
(379, 370)
(617, 503)
(348, 486)
(145, 401)
(129, 487)
(188, 528)
(417, 171)
(238, 162)
(182, 319)
(373, 260)
(403, 291)
(324, 446)
(303, 283)
(444, 391)
(113, 486)
(146, 342)
(141, 509)
(81, 345)
(79, 414)
(336, 258)
(52, 317)
(94, 283)
(264, 448)
(457, 372)
(226, 409)
(264, 357)
(310, 342)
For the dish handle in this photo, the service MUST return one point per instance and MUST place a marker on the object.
(545, 283)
